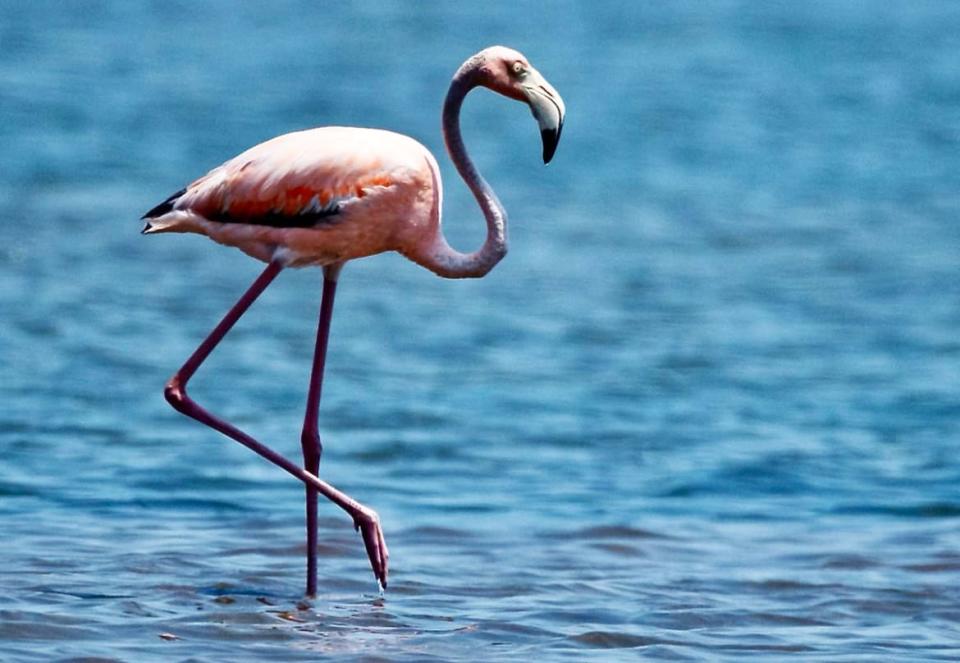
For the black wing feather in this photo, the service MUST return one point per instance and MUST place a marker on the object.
(165, 206)
(279, 220)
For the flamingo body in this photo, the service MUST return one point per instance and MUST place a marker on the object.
(314, 197)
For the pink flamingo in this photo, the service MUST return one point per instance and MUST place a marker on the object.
(328, 195)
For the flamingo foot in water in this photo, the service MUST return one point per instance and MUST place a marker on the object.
(367, 522)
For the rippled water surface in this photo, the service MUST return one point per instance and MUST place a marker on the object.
(708, 408)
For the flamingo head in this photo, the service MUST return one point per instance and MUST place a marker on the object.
(509, 73)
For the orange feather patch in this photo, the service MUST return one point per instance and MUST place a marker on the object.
(295, 202)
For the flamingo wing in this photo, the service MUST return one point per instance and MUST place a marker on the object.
(303, 179)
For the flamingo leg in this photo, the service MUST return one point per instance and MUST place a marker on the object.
(310, 436)
(365, 519)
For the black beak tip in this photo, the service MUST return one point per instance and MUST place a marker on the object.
(551, 138)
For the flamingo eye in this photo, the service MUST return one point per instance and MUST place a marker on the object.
(518, 69)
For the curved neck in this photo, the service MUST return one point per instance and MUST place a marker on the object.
(441, 258)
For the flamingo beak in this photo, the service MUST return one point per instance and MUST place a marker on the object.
(548, 110)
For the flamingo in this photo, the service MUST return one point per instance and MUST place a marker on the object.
(332, 194)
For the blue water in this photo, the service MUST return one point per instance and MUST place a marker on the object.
(708, 408)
